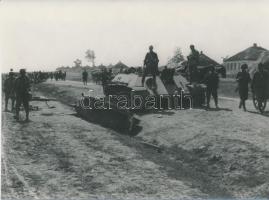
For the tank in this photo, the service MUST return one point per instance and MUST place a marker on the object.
(125, 96)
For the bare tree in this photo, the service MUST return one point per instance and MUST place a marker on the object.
(90, 56)
(177, 58)
(77, 63)
(224, 58)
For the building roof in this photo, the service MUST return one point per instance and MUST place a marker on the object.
(204, 60)
(252, 53)
(120, 65)
(265, 58)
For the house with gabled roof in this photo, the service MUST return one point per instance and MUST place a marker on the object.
(250, 56)
(204, 60)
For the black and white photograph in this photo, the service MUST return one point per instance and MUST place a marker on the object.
(134, 100)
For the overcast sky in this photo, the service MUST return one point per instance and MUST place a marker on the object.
(42, 36)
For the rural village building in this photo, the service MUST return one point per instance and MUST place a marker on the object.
(204, 60)
(118, 67)
(250, 56)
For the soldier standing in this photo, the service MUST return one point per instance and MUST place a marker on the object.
(85, 77)
(212, 82)
(51, 76)
(259, 84)
(151, 65)
(9, 90)
(243, 79)
(193, 62)
(22, 88)
(165, 74)
(104, 77)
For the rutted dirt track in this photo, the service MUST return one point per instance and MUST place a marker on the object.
(205, 154)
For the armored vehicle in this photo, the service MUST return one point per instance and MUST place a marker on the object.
(125, 96)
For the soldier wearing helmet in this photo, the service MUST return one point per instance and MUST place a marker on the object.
(151, 65)
(22, 88)
(212, 82)
(193, 62)
(259, 83)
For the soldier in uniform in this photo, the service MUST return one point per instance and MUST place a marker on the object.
(151, 65)
(51, 76)
(9, 90)
(212, 82)
(165, 74)
(243, 79)
(85, 77)
(193, 62)
(104, 77)
(259, 84)
(22, 88)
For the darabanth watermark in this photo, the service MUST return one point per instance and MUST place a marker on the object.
(138, 102)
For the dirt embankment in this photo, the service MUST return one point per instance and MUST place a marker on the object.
(222, 153)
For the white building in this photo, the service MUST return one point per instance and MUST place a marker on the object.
(250, 56)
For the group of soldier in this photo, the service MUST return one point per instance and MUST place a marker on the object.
(258, 84)
(103, 76)
(18, 90)
(211, 78)
(58, 75)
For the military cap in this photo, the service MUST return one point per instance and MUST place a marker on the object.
(211, 67)
(22, 71)
(260, 66)
(11, 73)
(244, 66)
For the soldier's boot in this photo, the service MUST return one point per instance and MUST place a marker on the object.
(244, 106)
(27, 117)
(16, 116)
(17, 112)
(13, 106)
(6, 103)
(240, 104)
(143, 82)
(27, 112)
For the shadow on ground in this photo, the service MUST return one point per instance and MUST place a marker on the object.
(265, 114)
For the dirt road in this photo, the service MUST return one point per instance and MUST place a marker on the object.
(222, 153)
